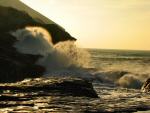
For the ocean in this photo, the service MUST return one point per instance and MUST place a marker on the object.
(126, 68)
(117, 77)
(120, 75)
(104, 58)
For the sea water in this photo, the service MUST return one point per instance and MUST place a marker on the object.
(127, 68)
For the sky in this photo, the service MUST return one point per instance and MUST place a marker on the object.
(105, 24)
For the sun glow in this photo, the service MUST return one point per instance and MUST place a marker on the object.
(101, 23)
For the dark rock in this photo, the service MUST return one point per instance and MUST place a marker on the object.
(15, 66)
(146, 86)
(55, 86)
(13, 19)
(44, 94)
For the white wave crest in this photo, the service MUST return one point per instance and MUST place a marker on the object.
(130, 81)
(33, 40)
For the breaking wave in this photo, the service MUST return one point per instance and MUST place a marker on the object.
(33, 40)
(63, 55)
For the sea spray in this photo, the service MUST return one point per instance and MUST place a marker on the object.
(63, 55)
(75, 55)
(33, 40)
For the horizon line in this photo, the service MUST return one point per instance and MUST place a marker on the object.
(116, 49)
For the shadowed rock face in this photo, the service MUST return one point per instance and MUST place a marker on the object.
(146, 86)
(15, 66)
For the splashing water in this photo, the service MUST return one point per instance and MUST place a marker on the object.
(38, 41)
(33, 40)
(75, 55)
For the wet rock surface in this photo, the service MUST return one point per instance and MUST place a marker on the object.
(62, 86)
(43, 93)
(146, 86)
(69, 95)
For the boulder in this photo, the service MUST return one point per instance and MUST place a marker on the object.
(146, 86)
(50, 86)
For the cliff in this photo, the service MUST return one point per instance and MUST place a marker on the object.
(15, 15)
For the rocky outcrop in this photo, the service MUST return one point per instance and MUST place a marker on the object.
(15, 66)
(13, 19)
(146, 86)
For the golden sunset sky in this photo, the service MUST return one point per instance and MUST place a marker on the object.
(109, 24)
